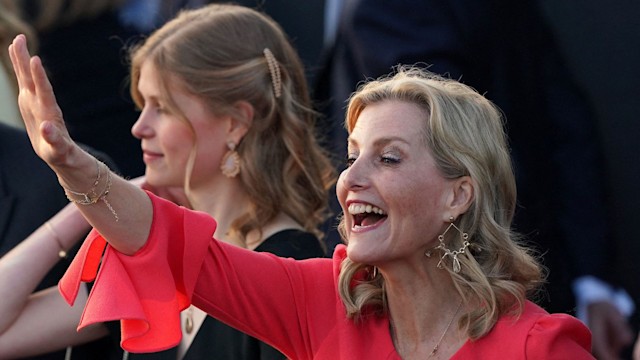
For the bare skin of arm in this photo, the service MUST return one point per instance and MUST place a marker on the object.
(23, 328)
(75, 168)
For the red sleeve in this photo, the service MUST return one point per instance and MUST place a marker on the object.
(290, 304)
(146, 291)
(558, 336)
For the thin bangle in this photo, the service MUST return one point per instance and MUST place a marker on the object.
(90, 197)
(62, 253)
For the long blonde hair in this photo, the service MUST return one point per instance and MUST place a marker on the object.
(217, 53)
(465, 133)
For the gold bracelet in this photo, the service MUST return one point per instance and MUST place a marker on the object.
(88, 198)
(92, 196)
(62, 253)
(103, 197)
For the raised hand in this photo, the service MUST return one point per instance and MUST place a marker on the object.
(40, 111)
(125, 217)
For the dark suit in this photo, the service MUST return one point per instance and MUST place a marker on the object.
(504, 50)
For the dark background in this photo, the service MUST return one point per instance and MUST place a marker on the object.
(601, 44)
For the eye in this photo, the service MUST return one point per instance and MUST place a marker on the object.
(389, 160)
(350, 160)
(161, 109)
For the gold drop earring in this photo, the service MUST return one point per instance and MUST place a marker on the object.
(448, 252)
(230, 165)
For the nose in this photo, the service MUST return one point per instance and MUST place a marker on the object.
(141, 128)
(356, 176)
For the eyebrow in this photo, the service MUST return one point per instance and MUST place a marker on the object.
(381, 141)
(150, 98)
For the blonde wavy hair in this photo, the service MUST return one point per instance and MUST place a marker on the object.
(217, 53)
(464, 131)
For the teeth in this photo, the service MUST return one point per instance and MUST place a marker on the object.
(355, 209)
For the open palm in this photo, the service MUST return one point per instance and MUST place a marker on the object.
(40, 111)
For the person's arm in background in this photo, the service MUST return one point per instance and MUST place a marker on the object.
(37, 323)
(22, 329)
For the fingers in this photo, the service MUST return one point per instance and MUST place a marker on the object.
(40, 112)
(43, 87)
(20, 58)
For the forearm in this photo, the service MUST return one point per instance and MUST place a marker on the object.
(25, 266)
(122, 211)
(29, 335)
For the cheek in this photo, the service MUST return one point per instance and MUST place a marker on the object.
(177, 141)
(416, 197)
(341, 190)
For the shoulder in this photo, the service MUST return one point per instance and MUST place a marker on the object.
(293, 243)
(560, 336)
(535, 334)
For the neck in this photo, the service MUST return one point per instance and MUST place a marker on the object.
(281, 222)
(225, 200)
(226, 203)
(425, 317)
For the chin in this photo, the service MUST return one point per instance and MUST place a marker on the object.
(361, 253)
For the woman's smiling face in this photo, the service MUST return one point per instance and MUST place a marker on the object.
(167, 140)
(392, 194)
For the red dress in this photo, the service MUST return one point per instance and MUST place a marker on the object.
(291, 305)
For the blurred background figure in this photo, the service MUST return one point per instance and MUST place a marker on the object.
(506, 51)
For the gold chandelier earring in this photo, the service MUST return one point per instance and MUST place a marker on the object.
(230, 165)
(448, 252)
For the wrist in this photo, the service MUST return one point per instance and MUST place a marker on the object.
(67, 227)
(100, 187)
(62, 252)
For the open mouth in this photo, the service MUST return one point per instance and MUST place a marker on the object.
(366, 214)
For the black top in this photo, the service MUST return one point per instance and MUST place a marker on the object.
(216, 340)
